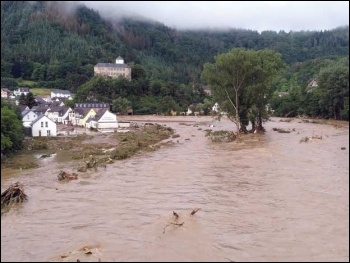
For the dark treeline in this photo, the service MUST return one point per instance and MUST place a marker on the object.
(57, 44)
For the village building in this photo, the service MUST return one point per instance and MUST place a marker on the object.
(58, 113)
(28, 117)
(59, 93)
(43, 126)
(113, 70)
(21, 90)
(104, 119)
(79, 116)
(92, 105)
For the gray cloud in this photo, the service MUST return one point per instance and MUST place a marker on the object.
(265, 15)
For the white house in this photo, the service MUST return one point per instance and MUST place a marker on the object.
(58, 113)
(44, 126)
(21, 90)
(64, 114)
(28, 117)
(104, 119)
(60, 93)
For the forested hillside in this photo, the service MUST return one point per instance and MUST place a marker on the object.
(56, 44)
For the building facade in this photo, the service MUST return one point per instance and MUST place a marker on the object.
(113, 70)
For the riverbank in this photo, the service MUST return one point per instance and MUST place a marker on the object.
(106, 146)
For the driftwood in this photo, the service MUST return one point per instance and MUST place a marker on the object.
(176, 217)
(195, 211)
(66, 176)
(14, 194)
(280, 130)
(176, 224)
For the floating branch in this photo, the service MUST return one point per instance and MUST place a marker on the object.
(195, 211)
(176, 224)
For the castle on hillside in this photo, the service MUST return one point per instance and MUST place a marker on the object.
(119, 69)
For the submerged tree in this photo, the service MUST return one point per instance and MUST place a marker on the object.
(228, 77)
(240, 83)
(267, 64)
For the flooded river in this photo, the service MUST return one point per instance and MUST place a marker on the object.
(270, 198)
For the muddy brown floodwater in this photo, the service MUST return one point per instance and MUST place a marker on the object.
(270, 198)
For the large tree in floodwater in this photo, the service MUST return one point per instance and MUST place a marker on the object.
(240, 83)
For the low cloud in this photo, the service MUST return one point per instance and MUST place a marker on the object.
(265, 15)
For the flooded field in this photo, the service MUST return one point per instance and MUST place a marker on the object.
(266, 198)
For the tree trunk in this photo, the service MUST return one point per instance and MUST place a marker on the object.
(237, 113)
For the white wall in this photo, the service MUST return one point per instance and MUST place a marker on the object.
(108, 121)
(107, 125)
(51, 126)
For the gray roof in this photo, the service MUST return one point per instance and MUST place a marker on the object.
(39, 99)
(119, 57)
(65, 109)
(56, 109)
(61, 91)
(99, 114)
(112, 65)
(22, 107)
(92, 105)
(41, 109)
(41, 116)
(82, 111)
(25, 112)
(59, 99)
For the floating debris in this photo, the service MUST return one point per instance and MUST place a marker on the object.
(195, 211)
(304, 139)
(280, 130)
(66, 176)
(14, 194)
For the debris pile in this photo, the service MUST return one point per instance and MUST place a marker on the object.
(66, 176)
(14, 194)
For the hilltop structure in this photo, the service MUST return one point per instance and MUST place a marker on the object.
(119, 69)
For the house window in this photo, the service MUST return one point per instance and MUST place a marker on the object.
(39, 132)
(46, 124)
(42, 125)
(28, 117)
(48, 133)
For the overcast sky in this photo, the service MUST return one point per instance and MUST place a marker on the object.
(265, 15)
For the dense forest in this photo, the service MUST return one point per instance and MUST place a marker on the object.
(57, 44)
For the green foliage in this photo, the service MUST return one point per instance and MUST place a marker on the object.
(121, 105)
(240, 82)
(327, 100)
(334, 86)
(9, 83)
(12, 131)
(40, 41)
